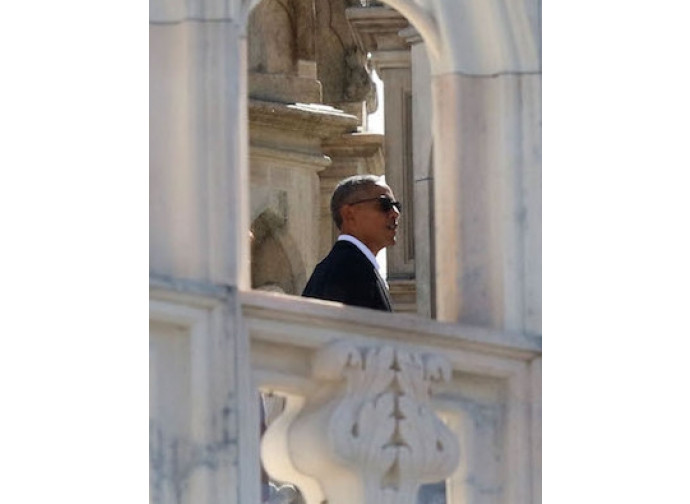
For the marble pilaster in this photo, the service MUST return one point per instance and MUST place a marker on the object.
(394, 69)
(423, 173)
(198, 151)
(487, 162)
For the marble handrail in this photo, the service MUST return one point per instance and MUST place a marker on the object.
(309, 351)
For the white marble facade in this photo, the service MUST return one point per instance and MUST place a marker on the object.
(472, 375)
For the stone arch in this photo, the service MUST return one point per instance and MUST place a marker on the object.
(344, 39)
(484, 58)
(277, 265)
(486, 36)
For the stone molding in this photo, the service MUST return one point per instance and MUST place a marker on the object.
(320, 121)
(368, 433)
(376, 28)
(310, 317)
(390, 60)
(290, 159)
(411, 35)
(284, 88)
(404, 294)
(356, 145)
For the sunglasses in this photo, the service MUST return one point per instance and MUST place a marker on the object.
(386, 203)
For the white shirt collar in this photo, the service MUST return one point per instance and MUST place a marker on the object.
(365, 250)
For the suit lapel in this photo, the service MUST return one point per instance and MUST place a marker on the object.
(384, 289)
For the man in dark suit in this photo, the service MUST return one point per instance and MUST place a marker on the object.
(365, 211)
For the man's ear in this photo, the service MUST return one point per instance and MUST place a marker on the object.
(346, 213)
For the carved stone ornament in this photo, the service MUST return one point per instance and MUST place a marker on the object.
(368, 434)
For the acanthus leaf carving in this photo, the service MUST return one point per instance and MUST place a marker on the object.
(369, 434)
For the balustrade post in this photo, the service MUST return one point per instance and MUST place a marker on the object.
(367, 434)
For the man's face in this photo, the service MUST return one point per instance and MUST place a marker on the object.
(367, 219)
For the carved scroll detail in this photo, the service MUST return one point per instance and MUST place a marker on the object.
(369, 434)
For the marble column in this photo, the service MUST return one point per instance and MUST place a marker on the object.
(198, 147)
(485, 60)
(199, 244)
(488, 201)
(423, 173)
(394, 69)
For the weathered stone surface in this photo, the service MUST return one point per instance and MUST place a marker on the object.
(490, 216)
(318, 121)
(368, 433)
(284, 88)
(272, 44)
(404, 294)
(341, 63)
(377, 28)
(285, 159)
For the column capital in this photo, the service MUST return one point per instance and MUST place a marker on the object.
(390, 60)
(376, 28)
(411, 35)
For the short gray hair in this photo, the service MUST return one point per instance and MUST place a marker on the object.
(346, 190)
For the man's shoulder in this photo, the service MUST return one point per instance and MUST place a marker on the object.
(345, 251)
(348, 276)
(344, 263)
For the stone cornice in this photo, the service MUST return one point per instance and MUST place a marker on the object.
(290, 159)
(364, 148)
(188, 292)
(320, 121)
(411, 35)
(376, 28)
(355, 144)
(389, 60)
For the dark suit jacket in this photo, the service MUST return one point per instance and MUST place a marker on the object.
(346, 275)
